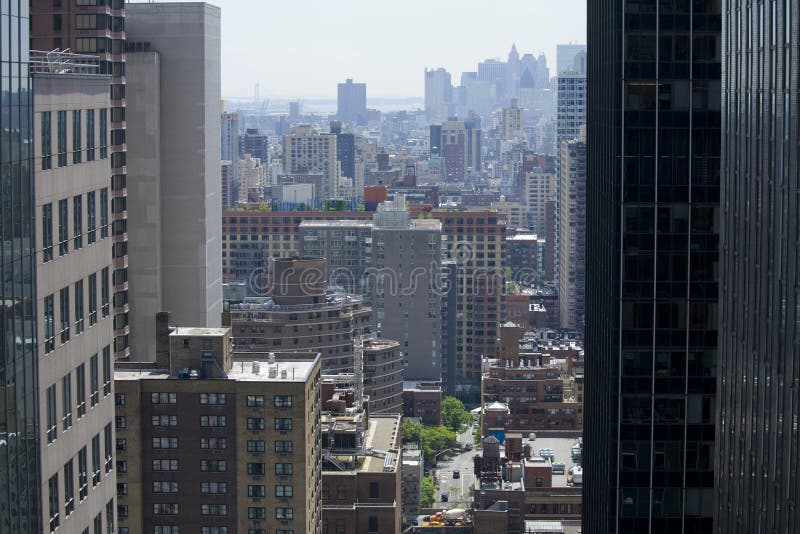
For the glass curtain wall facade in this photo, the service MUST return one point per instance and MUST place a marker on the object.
(759, 401)
(652, 250)
(19, 443)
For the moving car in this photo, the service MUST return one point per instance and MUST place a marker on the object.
(456, 474)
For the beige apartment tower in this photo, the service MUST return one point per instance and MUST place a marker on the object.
(306, 151)
(72, 173)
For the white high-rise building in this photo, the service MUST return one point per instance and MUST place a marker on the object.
(571, 107)
(438, 94)
(308, 152)
(513, 122)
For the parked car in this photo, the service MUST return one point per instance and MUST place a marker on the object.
(468, 447)
(456, 474)
(445, 498)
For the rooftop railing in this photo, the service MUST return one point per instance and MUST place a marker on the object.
(64, 61)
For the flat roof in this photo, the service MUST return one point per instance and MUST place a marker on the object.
(381, 435)
(422, 385)
(366, 223)
(283, 370)
(141, 374)
(198, 331)
(296, 370)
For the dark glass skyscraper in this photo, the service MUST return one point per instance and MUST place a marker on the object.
(759, 385)
(652, 253)
(19, 441)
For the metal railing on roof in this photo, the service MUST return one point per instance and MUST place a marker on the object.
(64, 61)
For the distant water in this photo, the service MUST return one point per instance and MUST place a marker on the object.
(322, 106)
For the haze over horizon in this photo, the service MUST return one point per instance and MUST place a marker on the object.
(385, 47)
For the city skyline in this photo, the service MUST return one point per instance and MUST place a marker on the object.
(560, 292)
(391, 66)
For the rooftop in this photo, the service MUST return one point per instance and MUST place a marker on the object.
(422, 385)
(59, 61)
(524, 237)
(194, 331)
(242, 369)
(283, 370)
(267, 304)
(380, 344)
(339, 223)
(381, 436)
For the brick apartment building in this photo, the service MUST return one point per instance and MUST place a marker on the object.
(212, 441)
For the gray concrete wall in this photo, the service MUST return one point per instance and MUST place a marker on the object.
(187, 38)
(144, 201)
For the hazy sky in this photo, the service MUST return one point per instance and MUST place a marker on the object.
(303, 48)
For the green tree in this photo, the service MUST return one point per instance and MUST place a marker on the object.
(435, 439)
(411, 430)
(428, 493)
(454, 415)
(431, 439)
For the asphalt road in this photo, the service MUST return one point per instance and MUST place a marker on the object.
(457, 489)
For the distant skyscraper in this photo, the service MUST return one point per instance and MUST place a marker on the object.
(438, 94)
(539, 185)
(759, 355)
(435, 140)
(230, 136)
(306, 151)
(652, 251)
(454, 150)
(491, 70)
(473, 126)
(565, 56)
(572, 228)
(352, 102)
(255, 143)
(495, 73)
(345, 151)
(174, 204)
(460, 146)
(20, 488)
(294, 110)
(230, 144)
(571, 104)
(513, 123)
(513, 72)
